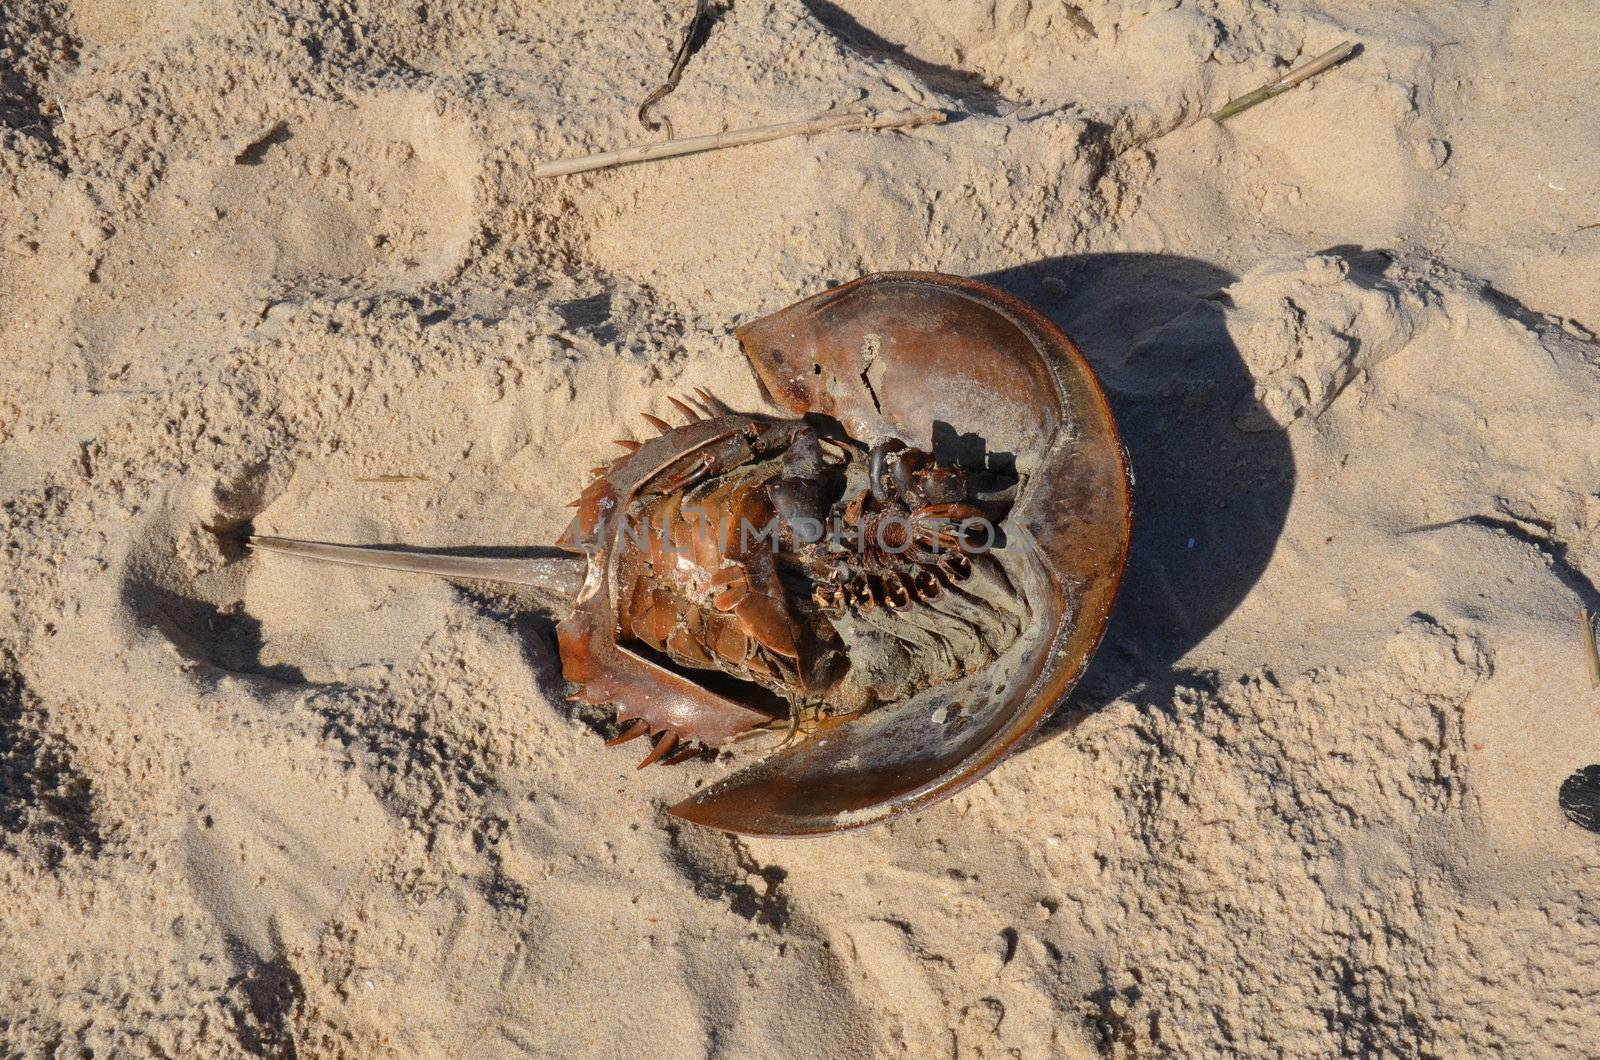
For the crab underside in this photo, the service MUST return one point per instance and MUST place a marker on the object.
(905, 574)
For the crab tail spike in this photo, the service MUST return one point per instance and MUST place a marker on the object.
(598, 471)
(657, 422)
(628, 443)
(638, 728)
(558, 577)
(714, 403)
(662, 748)
(689, 414)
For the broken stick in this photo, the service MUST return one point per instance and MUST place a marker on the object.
(690, 145)
(1283, 84)
(694, 36)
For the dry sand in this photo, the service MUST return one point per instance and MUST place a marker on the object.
(254, 253)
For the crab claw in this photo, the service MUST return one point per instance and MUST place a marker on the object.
(896, 596)
(944, 527)
(858, 594)
(956, 566)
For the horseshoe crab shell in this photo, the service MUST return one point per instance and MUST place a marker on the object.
(969, 373)
(910, 663)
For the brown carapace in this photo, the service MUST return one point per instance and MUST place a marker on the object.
(906, 574)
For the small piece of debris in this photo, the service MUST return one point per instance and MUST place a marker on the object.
(1580, 798)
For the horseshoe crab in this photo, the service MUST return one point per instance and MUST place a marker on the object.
(907, 573)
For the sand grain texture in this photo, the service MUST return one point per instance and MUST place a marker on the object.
(255, 254)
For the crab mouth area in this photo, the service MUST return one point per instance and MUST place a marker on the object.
(824, 584)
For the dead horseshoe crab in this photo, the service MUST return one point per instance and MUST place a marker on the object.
(907, 576)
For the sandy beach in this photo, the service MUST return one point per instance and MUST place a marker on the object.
(284, 265)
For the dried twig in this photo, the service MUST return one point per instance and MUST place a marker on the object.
(690, 145)
(1589, 646)
(1283, 84)
(694, 37)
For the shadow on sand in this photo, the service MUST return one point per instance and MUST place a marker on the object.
(1209, 499)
